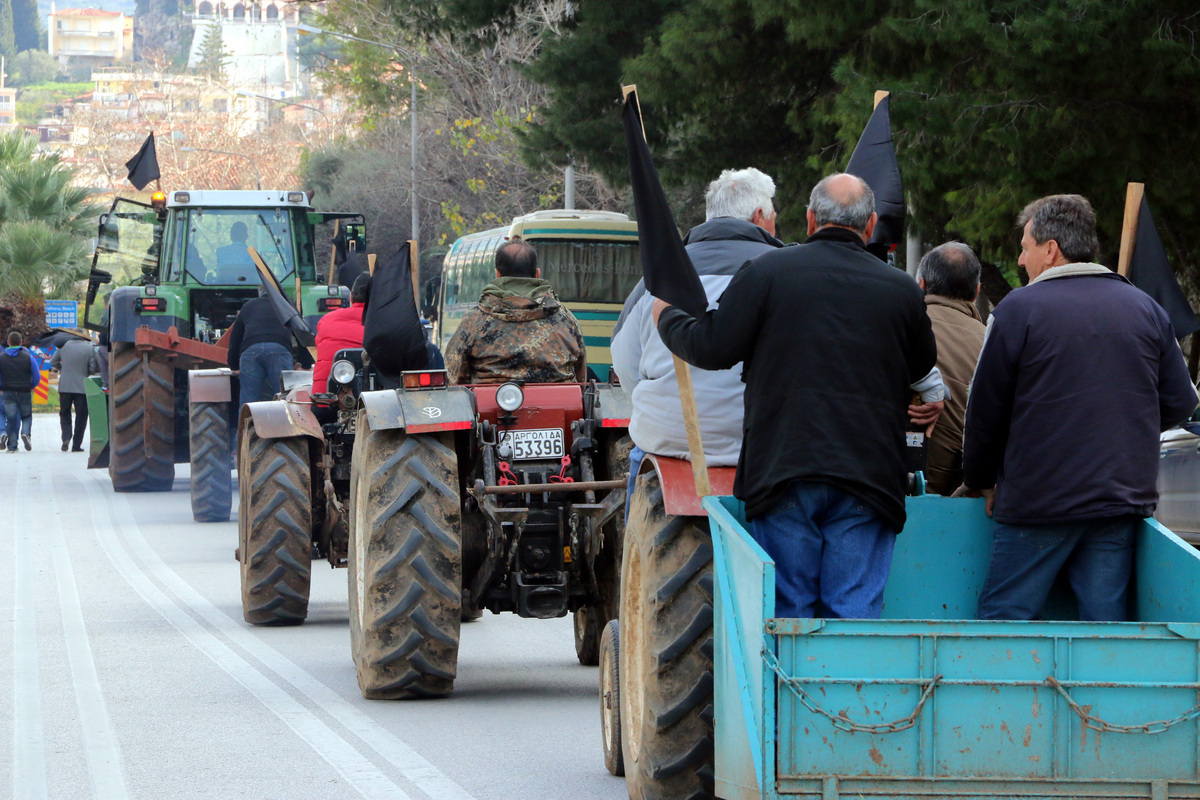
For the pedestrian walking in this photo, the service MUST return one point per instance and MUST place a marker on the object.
(75, 361)
(832, 341)
(260, 349)
(19, 376)
(1080, 373)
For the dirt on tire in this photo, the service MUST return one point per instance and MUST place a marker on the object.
(142, 421)
(610, 698)
(405, 563)
(274, 527)
(211, 483)
(666, 650)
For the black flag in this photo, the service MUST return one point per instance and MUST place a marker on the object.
(143, 167)
(392, 332)
(1150, 271)
(874, 160)
(668, 271)
(287, 312)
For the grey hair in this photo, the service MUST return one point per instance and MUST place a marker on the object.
(950, 270)
(739, 193)
(853, 212)
(1067, 219)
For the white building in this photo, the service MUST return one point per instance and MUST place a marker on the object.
(259, 39)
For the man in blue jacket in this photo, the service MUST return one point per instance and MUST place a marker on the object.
(1079, 374)
(19, 376)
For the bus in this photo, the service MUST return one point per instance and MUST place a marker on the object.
(590, 259)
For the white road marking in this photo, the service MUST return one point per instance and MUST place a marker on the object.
(411, 764)
(100, 746)
(363, 775)
(29, 746)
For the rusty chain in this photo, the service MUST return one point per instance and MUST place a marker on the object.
(1090, 720)
(840, 721)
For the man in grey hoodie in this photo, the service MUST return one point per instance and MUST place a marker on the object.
(75, 360)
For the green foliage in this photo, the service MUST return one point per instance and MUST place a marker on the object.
(27, 25)
(213, 55)
(32, 67)
(45, 223)
(8, 41)
(32, 100)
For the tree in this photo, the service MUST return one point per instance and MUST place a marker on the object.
(46, 225)
(31, 67)
(8, 42)
(213, 55)
(27, 26)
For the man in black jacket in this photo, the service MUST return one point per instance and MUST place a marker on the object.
(1079, 374)
(260, 348)
(19, 376)
(832, 339)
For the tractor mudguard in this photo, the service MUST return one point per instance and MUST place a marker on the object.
(279, 419)
(430, 411)
(124, 319)
(679, 485)
(615, 406)
(210, 385)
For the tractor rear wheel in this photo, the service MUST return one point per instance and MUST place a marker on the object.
(666, 647)
(405, 563)
(274, 527)
(142, 421)
(208, 431)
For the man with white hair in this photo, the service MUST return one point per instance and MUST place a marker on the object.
(739, 225)
(832, 339)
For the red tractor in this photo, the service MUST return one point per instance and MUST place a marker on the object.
(507, 498)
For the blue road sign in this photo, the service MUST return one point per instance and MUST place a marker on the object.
(62, 314)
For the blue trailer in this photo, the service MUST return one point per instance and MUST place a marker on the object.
(929, 702)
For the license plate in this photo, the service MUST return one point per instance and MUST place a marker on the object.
(542, 443)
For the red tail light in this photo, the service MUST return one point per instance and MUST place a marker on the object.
(329, 303)
(151, 304)
(424, 380)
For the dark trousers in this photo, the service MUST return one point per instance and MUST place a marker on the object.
(259, 369)
(1096, 554)
(67, 401)
(832, 553)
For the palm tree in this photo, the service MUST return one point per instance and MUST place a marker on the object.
(45, 230)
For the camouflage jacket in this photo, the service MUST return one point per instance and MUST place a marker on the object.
(519, 331)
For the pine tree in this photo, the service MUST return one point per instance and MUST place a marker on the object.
(212, 52)
(27, 27)
(8, 42)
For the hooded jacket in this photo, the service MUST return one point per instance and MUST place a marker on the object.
(338, 330)
(717, 248)
(518, 331)
(19, 370)
(1079, 374)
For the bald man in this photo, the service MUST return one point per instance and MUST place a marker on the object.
(832, 341)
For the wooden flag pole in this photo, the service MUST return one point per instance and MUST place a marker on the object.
(687, 396)
(879, 95)
(265, 270)
(413, 266)
(337, 228)
(371, 264)
(1133, 206)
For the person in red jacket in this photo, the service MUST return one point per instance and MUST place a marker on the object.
(339, 330)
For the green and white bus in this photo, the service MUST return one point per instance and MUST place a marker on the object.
(589, 257)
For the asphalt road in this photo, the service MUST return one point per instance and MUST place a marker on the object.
(126, 670)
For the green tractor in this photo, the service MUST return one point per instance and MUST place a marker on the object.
(181, 269)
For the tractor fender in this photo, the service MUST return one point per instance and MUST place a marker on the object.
(124, 320)
(679, 485)
(210, 385)
(280, 419)
(428, 411)
(615, 406)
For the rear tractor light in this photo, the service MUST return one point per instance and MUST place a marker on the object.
(328, 304)
(424, 380)
(150, 304)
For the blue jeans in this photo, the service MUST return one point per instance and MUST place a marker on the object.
(832, 553)
(1097, 555)
(635, 463)
(258, 371)
(18, 416)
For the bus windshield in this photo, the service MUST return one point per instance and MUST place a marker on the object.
(216, 242)
(582, 271)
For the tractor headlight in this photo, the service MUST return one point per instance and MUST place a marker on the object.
(510, 397)
(342, 372)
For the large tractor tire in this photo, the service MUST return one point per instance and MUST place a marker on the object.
(142, 422)
(274, 527)
(590, 621)
(405, 563)
(208, 430)
(666, 648)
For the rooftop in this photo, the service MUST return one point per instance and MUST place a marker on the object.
(85, 12)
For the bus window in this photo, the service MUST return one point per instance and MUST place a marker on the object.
(450, 277)
(589, 271)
